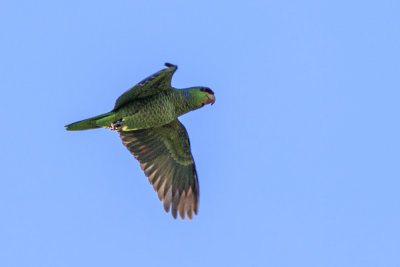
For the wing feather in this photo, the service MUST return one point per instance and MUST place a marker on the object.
(154, 84)
(165, 157)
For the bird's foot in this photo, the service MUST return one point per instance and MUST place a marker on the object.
(115, 126)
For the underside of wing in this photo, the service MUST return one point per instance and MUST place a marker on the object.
(152, 85)
(165, 157)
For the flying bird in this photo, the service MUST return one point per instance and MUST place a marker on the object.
(146, 118)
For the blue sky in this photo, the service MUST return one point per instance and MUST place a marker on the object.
(298, 160)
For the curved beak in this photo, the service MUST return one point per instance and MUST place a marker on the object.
(210, 99)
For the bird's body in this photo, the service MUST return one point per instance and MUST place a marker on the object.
(154, 111)
(146, 119)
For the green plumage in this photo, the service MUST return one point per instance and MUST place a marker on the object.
(155, 110)
(146, 119)
(91, 123)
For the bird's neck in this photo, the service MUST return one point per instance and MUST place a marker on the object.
(186, 102)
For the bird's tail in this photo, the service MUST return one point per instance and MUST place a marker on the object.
(103, 120)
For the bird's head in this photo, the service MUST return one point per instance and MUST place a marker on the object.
(201, 96)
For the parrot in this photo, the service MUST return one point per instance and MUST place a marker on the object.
(146, 119)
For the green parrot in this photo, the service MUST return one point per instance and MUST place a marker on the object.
(146, 118)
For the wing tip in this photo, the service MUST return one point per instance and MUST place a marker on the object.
(169, 65)
(181, 204)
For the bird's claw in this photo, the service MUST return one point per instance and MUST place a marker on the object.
(115, 126)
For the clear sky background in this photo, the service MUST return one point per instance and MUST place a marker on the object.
(298, 160)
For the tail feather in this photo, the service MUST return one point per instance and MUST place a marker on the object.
(91, 123)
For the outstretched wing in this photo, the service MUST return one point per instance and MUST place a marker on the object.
(153, 84)
(164, 155)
